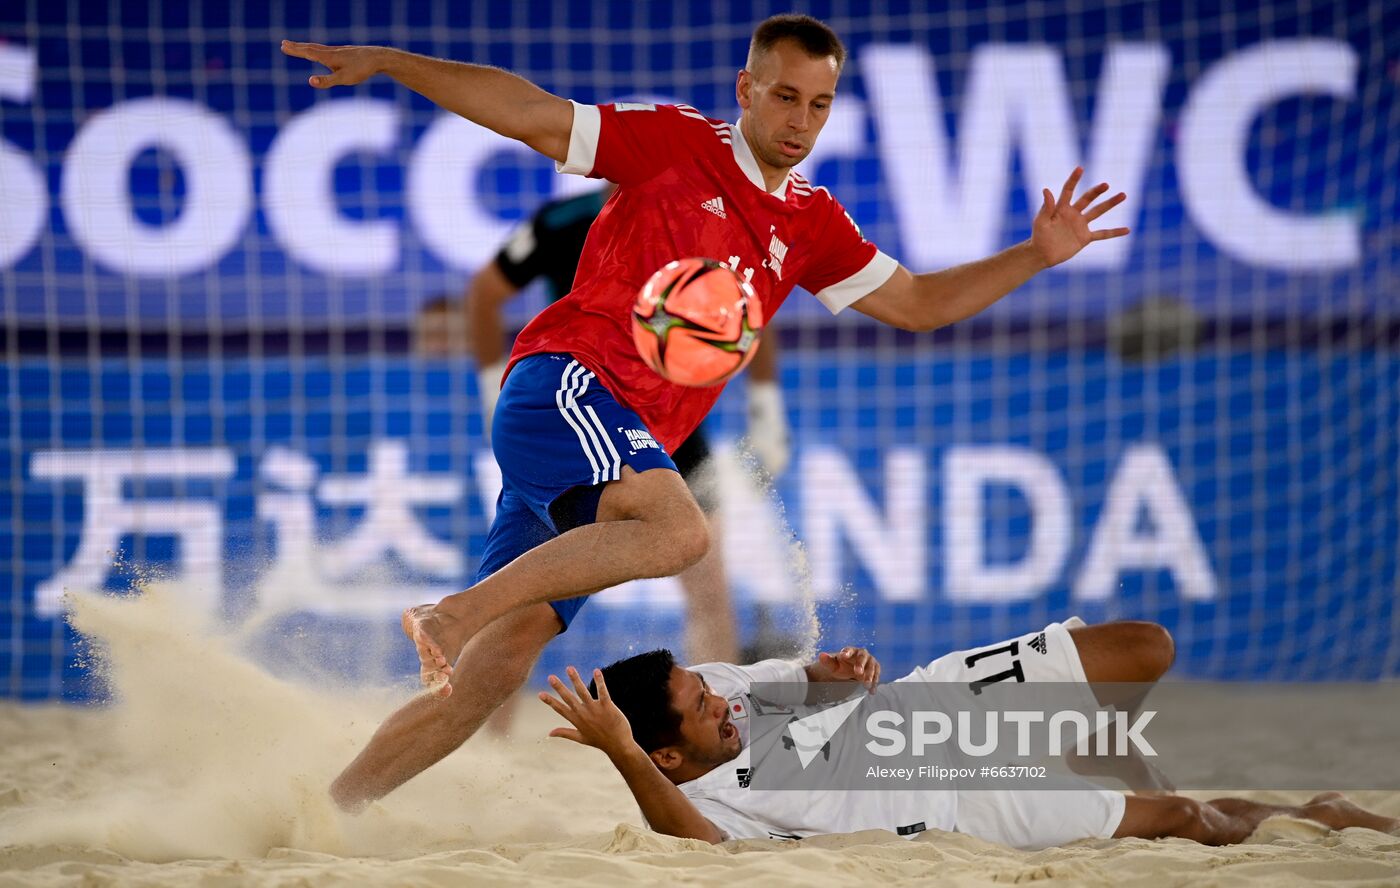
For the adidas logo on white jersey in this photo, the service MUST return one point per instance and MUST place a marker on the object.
(715, 205)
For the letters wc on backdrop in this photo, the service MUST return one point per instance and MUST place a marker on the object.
(946, 212)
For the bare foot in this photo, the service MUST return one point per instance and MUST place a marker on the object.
(1325, 797)
(1334, 810)
(438, 637)
(350, 800)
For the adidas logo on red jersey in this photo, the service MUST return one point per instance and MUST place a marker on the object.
(715, 205)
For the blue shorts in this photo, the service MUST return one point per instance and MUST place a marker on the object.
(559, 437)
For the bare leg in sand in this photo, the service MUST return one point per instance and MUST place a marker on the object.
(648, 525)
(493, 665)
(1227, 821)
(1122, 660)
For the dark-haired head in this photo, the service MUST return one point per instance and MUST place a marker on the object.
(675, 717)
(641, 688)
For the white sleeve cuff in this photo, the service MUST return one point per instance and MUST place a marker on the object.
(864, 282)
(787, 680)
(583, 141)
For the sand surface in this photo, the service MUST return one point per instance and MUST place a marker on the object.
(208, 770)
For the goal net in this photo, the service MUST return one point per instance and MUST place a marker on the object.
(213, 278)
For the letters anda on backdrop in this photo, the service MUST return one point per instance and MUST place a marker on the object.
(887, 532)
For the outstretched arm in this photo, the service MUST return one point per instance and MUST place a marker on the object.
(600, 724)
(496, 99)
(923, 302)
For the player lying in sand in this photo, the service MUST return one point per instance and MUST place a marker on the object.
(668, 730)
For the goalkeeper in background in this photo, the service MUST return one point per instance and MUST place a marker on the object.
(549, 245)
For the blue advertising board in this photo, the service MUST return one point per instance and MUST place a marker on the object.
(167, 173)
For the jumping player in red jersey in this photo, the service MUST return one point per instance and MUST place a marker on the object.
(583, 428)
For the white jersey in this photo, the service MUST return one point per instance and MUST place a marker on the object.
(1020, 818)
(723, 795)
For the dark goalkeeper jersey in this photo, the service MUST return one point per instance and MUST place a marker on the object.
(550, 243)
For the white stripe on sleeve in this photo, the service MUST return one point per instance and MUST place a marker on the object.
(583, 141)
(864, 282)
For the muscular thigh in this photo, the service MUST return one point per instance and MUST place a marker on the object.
(652, 494)
(561, 439)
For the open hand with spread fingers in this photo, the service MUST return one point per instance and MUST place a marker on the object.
(597, 722)
(1061, 228)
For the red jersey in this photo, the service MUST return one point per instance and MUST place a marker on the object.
(688, 186)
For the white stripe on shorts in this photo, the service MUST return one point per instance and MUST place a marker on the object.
(563, 399)
(616, 471)
(608, 471)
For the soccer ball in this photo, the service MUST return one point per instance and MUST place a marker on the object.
(696, 323)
